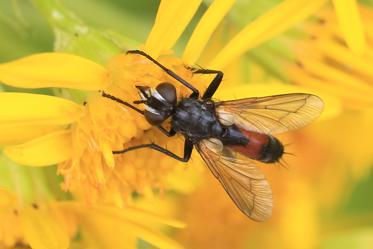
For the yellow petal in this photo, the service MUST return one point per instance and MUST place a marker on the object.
(42, 231)
(108, 224)
(343, 55)
(53, 70)
(108, 154)
(332, 105)
(172, 18)
(280, 18)
(7, 199)
(16, 134)
(142, 216)
(342, 77)
(205, 28)
(351, 24)
(36, 109)
(47, 150)
(31, 115)
(347, 96)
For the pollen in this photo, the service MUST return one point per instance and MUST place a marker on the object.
(94, 172)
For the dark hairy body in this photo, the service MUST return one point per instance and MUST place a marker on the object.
(197, 120)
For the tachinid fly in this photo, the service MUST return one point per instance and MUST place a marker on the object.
(229, 135)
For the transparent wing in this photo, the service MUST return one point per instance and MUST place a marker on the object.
(273, 114)
(242, 180)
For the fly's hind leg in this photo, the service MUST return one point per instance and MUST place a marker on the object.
(188, 148)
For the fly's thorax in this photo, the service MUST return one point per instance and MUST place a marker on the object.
(196, 119)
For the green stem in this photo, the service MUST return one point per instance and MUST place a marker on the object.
(59, 17)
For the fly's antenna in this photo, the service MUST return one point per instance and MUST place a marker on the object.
(289, 153)
(283, 164)
(286, 152)
(109, 96)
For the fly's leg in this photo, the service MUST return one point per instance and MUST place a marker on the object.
(169, 133)
(188, 148)
(195, 93)
(214, 85)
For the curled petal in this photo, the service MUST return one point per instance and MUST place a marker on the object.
(43, 151)
(108, 154)
(53, 70)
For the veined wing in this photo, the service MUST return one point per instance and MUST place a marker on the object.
(240, 177)
(272, 114)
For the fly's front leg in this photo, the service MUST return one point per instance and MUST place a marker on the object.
(195, 93)
(214, 85)
(169, 133)
(188, 148)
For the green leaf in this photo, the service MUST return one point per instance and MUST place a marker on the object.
(356, 239)
(359, 200)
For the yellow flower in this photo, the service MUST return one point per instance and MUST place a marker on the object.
(81, 138)
(43, 130)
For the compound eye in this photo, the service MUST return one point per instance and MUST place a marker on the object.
(168, 92)
(154, 118)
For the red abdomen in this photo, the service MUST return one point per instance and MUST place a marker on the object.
(262, 147)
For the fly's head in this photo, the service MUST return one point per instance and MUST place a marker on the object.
(159, 102)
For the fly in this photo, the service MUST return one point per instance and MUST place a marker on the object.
(229, 135)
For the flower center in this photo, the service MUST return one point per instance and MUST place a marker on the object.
(94, 173)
